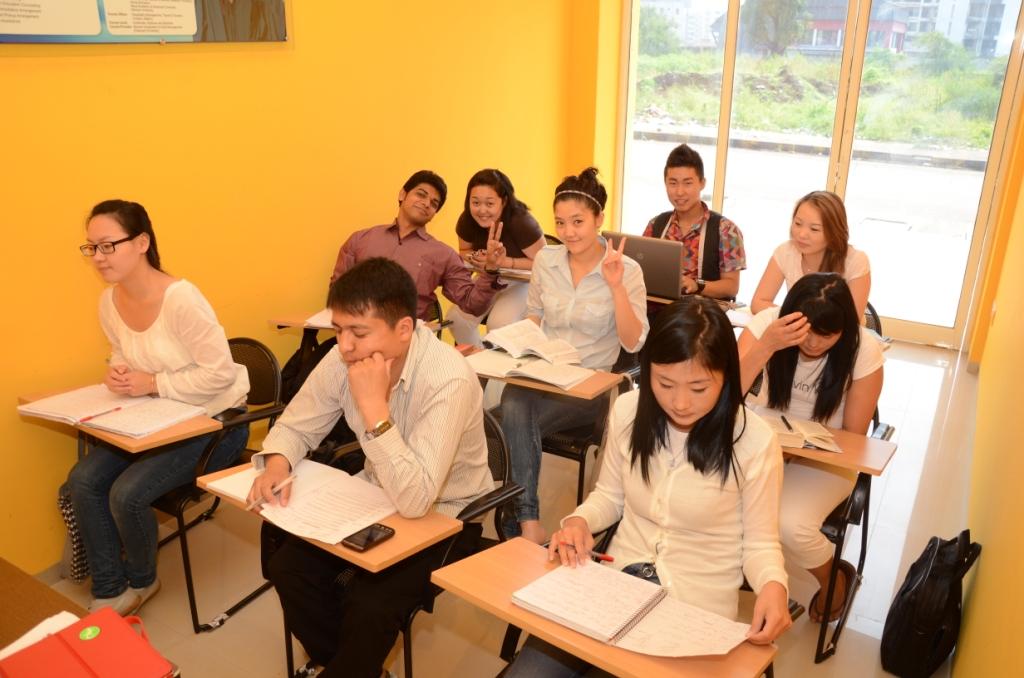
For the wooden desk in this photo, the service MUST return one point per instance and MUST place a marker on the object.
(412, 535)
(598, 384)
(196, 426)
(860, 453)
(489, 578)
(26, 602)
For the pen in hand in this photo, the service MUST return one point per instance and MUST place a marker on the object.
(603, 557)
(276, 490)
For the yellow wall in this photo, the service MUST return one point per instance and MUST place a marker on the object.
(255, 162)
(992, 607)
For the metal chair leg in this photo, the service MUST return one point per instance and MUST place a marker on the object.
(407, 647)
(824, 649)
(187, 563)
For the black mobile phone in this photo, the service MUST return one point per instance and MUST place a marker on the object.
(368, 537)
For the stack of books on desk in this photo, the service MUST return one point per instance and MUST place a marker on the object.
(97, 407)
(556, 361)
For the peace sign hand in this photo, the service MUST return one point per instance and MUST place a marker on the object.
(612, 267)
(495, 249)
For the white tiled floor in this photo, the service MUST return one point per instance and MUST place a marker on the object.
(928, 396)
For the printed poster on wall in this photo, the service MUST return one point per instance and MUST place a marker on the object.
(106, 21)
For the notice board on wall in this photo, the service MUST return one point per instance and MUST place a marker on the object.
(113, 21)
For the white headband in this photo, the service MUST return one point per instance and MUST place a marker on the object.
(585, 195)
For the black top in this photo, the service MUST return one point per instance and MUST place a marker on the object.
(518, 233)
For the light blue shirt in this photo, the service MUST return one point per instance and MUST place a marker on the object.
(584, 315)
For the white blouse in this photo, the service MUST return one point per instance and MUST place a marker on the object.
(584, 314)
(808, 371)
(788, 258)
(185, 348)
(702, 535)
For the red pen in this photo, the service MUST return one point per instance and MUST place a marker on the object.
(603, 557)
(98, 414)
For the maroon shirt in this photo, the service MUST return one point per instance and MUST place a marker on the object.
(429, 261)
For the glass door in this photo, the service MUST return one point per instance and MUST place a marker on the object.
(899, 107)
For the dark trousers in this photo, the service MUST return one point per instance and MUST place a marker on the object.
(346, 618)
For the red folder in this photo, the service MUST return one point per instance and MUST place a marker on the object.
(102, 645)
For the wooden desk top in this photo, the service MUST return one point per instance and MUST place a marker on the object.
(26, 602)
(489, 578)
(412, 535)
(196, 426)
(860, 453)
(596, 385)
(592, 387)
(299, 320)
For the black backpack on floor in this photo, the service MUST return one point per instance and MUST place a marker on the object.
(923, 623)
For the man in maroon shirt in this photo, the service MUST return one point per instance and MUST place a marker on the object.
(430, 262)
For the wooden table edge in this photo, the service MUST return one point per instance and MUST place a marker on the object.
(451, 526)
(524, 619)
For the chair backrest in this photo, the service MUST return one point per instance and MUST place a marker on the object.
(872, 321)
(497, 449)
(264, 372)
(552, 240)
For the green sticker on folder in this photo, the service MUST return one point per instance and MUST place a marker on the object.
(89, 632)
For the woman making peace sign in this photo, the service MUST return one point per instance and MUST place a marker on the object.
(587, 293)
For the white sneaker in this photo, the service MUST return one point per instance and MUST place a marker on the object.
(126, 603)
(145, 593)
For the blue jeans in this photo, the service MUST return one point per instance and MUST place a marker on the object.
(540, 659)
(527, 415)
(112, 490)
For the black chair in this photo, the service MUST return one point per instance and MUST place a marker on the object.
(435, 314)
(851, 511)
(496, 500)
(552, 240)
(576, 443)
(263, 402)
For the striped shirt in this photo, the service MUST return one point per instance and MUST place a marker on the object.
(435, 454)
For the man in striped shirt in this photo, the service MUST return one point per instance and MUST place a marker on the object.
(417, 407)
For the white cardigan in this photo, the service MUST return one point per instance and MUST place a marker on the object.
(185, 348)
(701, 535)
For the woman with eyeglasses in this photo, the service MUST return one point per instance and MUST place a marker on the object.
(165, 340)
(691, 478)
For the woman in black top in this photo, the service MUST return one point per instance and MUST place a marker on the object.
(491, 203)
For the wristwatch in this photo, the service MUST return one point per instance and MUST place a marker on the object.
(379, 429)
(700, 285)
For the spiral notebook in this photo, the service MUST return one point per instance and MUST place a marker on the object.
(628, 612)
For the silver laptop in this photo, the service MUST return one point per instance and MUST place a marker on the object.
(660, 260)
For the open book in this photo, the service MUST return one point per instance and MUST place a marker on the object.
(526, 338)
(501, 365)
(326, 503)
(800, 433)
(628, 612)
(97, 407)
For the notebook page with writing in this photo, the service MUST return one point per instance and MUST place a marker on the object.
(595, 600)
(145, 418)
(334, 510)
(309, 475)
(74, 406)
(675, 629)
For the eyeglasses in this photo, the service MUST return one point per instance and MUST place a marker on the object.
(104, 247)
